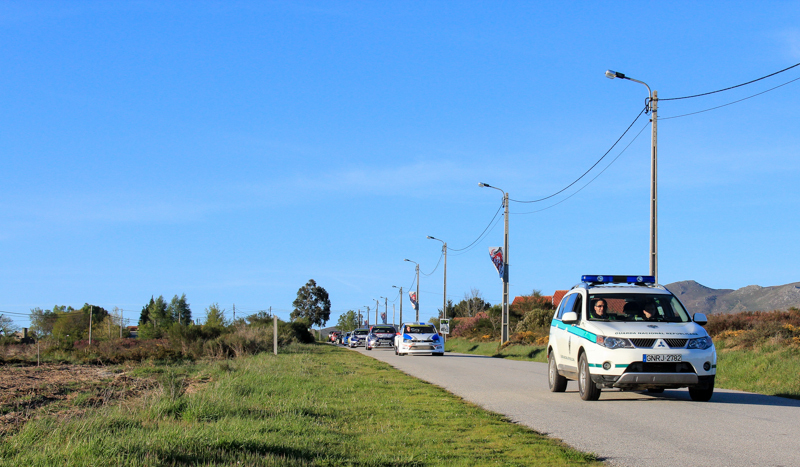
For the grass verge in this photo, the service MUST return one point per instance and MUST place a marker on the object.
(313, 405)
(771, 369)
(533, 353)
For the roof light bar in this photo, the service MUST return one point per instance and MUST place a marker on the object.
(597, 279)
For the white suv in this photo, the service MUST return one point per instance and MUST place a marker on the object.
(627, 332)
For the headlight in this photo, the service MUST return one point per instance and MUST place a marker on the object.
(701, 343)
(408, 341)
(614, 342)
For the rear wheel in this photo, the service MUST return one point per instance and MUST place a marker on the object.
(556, 382)
(589, 391)
(702, 394)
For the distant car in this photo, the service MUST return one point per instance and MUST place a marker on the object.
(381, 335)
(358, 338)
(418, 338)
(627, 332)
(333, 336)
(344, 338)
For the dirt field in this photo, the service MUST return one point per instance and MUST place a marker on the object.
(28, 392)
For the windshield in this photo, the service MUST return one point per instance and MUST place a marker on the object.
(636, 307)
(382, 329)
(360, 332)
(421, 329)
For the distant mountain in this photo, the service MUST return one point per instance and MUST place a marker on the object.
(701, 299)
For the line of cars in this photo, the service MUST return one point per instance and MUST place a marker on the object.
(416, 338)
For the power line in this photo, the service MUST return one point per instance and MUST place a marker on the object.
(490, 230)
(590, 168)
(590, 181)
(437, 265)
(730, 103)
(481, 235)
(729, 88)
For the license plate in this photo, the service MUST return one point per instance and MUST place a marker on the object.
(661, 358)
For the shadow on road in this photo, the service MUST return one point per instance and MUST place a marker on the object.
(719, 397)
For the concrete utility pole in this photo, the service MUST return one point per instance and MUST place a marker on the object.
(400, 323)
(504, 325)
(91, 309)
(417, 272)
(443, 315)
(377, 305)
(274, 332)
(652, 106)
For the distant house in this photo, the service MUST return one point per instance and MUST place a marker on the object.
(134, 331)
(555, 299)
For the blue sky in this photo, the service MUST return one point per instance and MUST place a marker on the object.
(232, 151)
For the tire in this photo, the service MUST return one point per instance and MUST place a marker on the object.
(702, 394)
(439, 354)
(655, 390)
(395, 351)
(586, 387)
(556, 382)
(369, 348)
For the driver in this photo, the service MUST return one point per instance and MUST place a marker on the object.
(600, 309)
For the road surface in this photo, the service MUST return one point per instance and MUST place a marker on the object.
(623, 428)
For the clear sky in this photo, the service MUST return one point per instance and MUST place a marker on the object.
(234, 150)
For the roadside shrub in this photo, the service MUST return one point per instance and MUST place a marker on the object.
(478, 326)
(534, 320)
(750, 329)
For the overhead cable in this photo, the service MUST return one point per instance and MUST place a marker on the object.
(437, 265)
(729, 88)
(590, 181)
(730, 103)
(481, 235)
(590, 168)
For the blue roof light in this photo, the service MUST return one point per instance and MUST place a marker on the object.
(598, 279)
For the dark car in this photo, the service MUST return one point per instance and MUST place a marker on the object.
(334, 336)
(381, 335)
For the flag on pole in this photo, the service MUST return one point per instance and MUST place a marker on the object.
(383, 317)
(413, 297)
(497, 258)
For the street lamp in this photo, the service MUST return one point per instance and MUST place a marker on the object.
(444, 301)
(401, 305)
(417, 269)
(652, 104)
(504, 325)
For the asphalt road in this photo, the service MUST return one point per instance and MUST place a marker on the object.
(623, 428)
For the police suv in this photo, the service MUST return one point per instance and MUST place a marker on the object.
(629, 333)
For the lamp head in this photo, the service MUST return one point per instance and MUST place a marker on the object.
(484, 184)
(611, 74)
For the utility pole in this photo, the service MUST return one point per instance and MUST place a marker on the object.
(385, 307)
(234, 312)
(274, 332)
(652, 106)
(91, 309)
(400, 323)
(504, 319)
(377, 305)
(393, 314)
(444, 299)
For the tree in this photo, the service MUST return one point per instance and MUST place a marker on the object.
(348, 321)
(179, 310)
(42, 322)
(215, 316)
(471, 305)
(144, 318)
(312, 303)
(7, 326)
(259, 319)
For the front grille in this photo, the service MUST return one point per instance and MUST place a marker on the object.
(676, 343)
(659, 367)
(643, 343)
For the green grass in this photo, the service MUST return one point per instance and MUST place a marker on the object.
(772, 369)
(315, 405)
(533, 353)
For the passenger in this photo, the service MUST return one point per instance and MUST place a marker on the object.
(633, 311)
(649, 312)
(600, 309)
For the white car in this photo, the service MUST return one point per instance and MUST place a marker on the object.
(418, 338)
(627, 332)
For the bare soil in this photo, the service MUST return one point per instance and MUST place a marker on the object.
(27, 392)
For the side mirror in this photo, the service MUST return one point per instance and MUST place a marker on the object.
(700, 318)
(570, 317)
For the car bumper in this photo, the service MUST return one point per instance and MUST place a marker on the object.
(421, 348)
(382, 343)
(629, 371)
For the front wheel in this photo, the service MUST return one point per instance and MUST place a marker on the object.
(702, 394)
(556, 382)
(589, 391)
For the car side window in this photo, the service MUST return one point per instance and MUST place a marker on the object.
(578, 306)
(567, 304)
